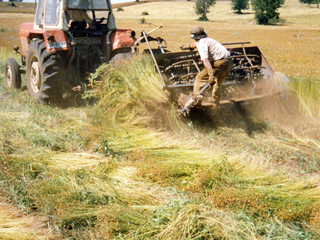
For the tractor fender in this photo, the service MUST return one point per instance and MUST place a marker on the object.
(122, 38)
(55, 40)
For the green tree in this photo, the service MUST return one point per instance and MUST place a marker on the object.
(202, 8)
(239, 5)
(266, 10)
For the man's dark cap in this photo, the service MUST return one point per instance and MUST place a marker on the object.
(197, 30)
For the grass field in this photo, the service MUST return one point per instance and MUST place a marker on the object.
(127, 168)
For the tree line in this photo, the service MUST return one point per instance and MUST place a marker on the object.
(265, 10)
(310, 2)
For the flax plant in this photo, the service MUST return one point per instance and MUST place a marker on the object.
(308, 93)
(130, 93)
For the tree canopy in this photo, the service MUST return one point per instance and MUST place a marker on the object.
(202, 8)
(311, 2)
(266, 10)
(239, 5)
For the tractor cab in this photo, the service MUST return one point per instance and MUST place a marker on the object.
(68, 15)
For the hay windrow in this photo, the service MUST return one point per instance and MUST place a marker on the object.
(131, 95)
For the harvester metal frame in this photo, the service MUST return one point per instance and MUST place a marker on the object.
(251, 76)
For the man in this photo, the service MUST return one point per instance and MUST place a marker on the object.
(217, 62)
(82, 16)
(77, 13)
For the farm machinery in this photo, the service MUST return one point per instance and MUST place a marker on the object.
(67, 41)
(250, 79)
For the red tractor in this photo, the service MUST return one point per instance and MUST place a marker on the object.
(67, 41)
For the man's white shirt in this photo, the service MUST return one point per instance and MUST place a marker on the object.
(211, 49)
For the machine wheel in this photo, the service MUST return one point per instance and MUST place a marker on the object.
(12, 74)
(45, 73)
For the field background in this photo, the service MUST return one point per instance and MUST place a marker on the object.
(290, 48)
(81, 173)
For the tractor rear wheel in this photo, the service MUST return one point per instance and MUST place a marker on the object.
(45, 73)
(12, 74)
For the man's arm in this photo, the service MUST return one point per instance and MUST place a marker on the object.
(207, 64)
(190, 46)
(193, 45)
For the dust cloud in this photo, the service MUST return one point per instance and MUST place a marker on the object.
(279, 111)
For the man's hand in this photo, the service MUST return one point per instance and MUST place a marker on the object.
(211, 79)
(188, 46)
(184, 47)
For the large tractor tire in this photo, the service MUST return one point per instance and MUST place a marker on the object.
(12, 74)
(45, 73)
